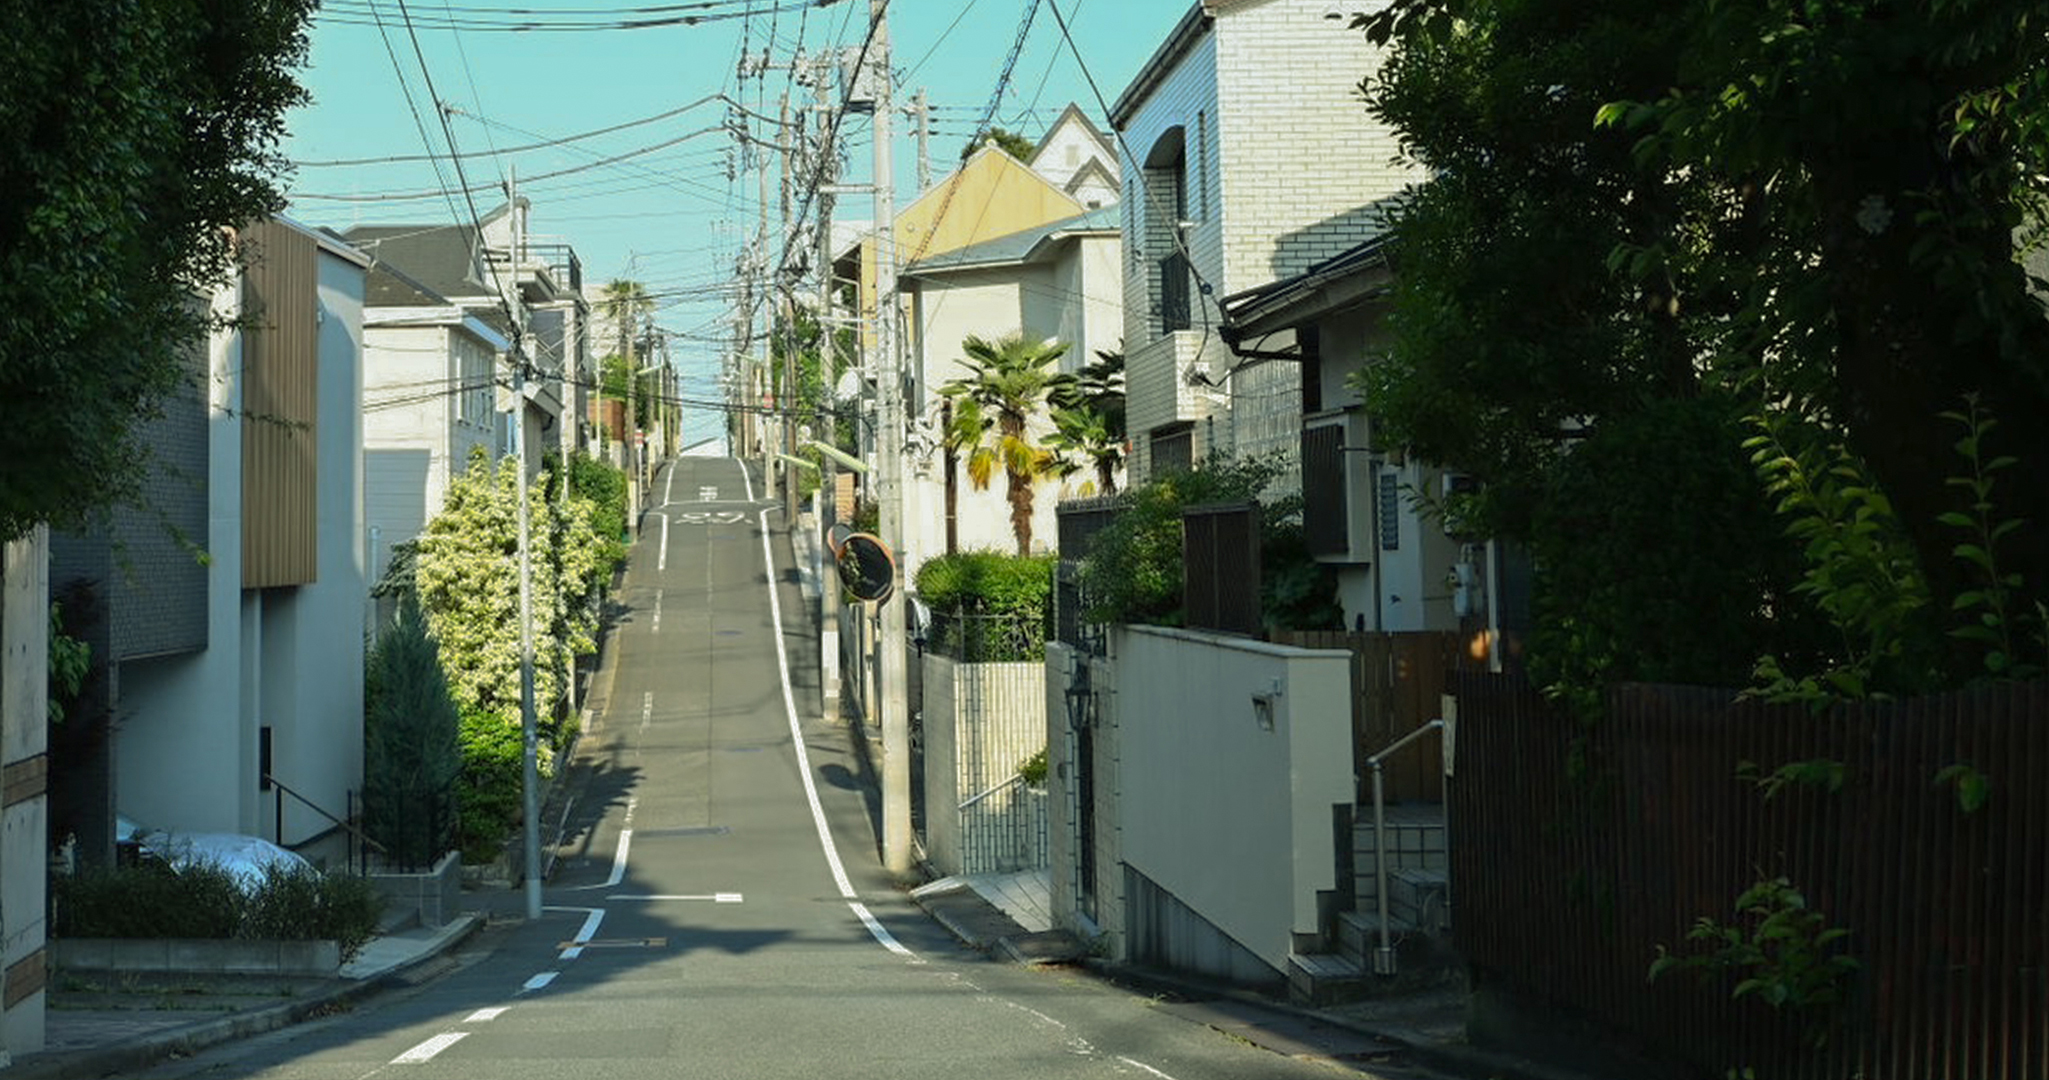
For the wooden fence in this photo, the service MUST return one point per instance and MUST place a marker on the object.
(1579, 851)
(1396, 683)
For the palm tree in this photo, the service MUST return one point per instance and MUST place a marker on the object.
(1088, 421)
(625, 303)
(1011, 378)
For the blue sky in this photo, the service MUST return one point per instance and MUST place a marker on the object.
(668, 217)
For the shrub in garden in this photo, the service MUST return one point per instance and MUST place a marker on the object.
(489, 790)
(989, 605)
(411, 752)
(298, 904)
(147, 901)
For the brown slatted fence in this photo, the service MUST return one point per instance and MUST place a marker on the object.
(1577, 851)
(1397, 681)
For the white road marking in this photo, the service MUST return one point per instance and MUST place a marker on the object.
(1142, 1065)
(647, 710)
(619, 859)
(669, 485)
(426, 1050)
(825, 841)
(592, 918)
(485, 1016)
(709, 898)
(658, 607)
(707, 493)
(538, 981)
(747, 481)
(662, 560)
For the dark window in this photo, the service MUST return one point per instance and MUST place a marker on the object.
(1323, 489)
(1173, 293)
(1390, 512)
(1173, 449)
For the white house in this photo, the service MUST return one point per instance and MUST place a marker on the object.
(1055, 282)
(232, 613)
(1078, 158)
(429, 400)
(1249, 158)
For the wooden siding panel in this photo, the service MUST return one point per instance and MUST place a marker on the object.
(280, 408)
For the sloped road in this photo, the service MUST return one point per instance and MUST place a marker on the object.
(718, 911)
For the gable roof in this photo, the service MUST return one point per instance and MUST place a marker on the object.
(1018, 248)
(440, 258)
(1354, 276)
(1072, 114)
(1091, 169)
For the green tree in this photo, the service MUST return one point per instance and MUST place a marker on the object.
(1088, 421)
(1010, 381)
(1811, 217)
(411, 753)
(1009, 142)
(626, 304)
(136, 135)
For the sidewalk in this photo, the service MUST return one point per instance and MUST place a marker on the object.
(100, 1025)
(1006, 916)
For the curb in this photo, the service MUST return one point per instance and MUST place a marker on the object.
(133, 1057)
(1465, 1061)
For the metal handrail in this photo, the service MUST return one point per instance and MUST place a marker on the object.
(351, 827)
(1013, 781)
(1383, 957)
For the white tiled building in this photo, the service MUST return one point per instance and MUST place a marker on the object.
(1249, 157)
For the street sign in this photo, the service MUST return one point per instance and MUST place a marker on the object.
(866, 568)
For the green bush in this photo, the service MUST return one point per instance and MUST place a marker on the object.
(1133, 572)
(148, 901)
(989, 605)
(490, 788)
(411, 752)
(604, 486)
(299, 904)
(204, 901)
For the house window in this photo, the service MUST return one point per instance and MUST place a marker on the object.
(1323, 489)
(1389, 511)
(1173, 293)
(1173, 449)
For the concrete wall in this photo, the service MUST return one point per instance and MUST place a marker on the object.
(24, 673)
(1224, 810)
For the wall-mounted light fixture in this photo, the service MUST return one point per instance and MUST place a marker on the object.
(1263, 706)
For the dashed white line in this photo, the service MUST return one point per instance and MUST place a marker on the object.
(658, 611)
(485, 1016)
(426, 1050)
(647, 710)
(1136, 1064)
(708, 898)
(619, 859)
(662, 558)
(592, 919)
(538, 981)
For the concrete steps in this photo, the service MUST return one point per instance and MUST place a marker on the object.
(1419, 910)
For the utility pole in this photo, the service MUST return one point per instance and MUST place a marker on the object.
(530, 777)
(828, 426)
(767, 302)
(889, 453)
(789, 304)
(924, 116)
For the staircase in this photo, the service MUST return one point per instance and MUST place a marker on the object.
(1419, 910)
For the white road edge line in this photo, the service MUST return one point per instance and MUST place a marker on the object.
(747, 482)
(485, 1016)
(825, 841)
(711, 898)
(619, 859)
(662, 561)
(1142, 1065)
(426, 1050)
(658, 608)
(669, 485)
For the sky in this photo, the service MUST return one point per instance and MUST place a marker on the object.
(670, 200)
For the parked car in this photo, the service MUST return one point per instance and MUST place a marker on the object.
(246, 858)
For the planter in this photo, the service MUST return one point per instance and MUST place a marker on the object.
(435, 895)
(196, 956)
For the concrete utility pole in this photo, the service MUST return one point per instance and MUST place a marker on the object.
(889, 453)
(828, 427)
(790, 395)
(530, 781)
(924, 115)
(767, 361)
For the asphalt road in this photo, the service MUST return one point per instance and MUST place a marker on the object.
(718, 910)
